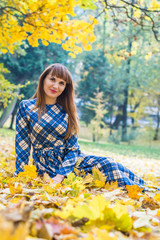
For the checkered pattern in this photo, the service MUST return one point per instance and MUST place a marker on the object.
(54, 155)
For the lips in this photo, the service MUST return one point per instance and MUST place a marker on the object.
(53, 91)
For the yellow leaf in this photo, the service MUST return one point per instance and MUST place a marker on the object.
(15, 190)
(157, 197)
(99, 183)
(134, 191)
(99, 234)
(29, 171)
(88, 179)
(94, 210)
(111, 186)
(15, 199)
(158, 213)
(49, 189)
(4, 51)
(66, 211)
(119, 210)
(103, 235)
(72, 55)
(84, 211)
(98, 175)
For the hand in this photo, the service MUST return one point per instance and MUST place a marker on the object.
(58, 178)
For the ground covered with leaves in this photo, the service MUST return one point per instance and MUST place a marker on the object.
(82, 207)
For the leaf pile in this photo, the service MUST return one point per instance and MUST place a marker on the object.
(82, 207)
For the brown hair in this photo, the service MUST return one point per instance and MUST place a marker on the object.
(66, 99)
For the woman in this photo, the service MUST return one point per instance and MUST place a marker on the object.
(48, 122)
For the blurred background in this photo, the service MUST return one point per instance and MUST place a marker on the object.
(112, 51)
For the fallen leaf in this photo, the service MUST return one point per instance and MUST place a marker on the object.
(134, 191)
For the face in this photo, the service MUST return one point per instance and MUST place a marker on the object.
(53, 87)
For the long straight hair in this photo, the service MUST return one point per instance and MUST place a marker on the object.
(66, 99)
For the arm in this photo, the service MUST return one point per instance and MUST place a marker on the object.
(71, 154)
(22, 140)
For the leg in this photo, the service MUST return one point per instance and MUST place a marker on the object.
(112, 170)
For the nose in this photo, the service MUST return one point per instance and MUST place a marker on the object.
(55, 85)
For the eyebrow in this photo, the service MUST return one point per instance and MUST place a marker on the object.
(57, 77)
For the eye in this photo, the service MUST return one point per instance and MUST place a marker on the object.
(62, 83)
(53, 78)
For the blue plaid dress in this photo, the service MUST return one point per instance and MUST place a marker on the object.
(54, 155)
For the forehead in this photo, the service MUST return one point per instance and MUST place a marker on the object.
(61, 73)
(57, 78)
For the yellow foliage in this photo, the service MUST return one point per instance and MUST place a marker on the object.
(89, 210)
(30, 171)
(155, 5)
(41, 23)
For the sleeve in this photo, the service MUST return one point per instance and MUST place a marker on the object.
(71, 155)
(22, 139)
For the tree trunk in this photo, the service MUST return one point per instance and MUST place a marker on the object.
(157, 128)
(125, 104)
(8, 111)
(124, 115)
(93, 137)
(12, 121)
(104, 35)
(118, 119)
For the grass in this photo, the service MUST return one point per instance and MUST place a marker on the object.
(121, 149)
(5, 132)
(142, 146)
(140, 150)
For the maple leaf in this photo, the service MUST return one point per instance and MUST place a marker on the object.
(124, 223)
(70, 179)
(99, 183)
(30, 171)
(94, 210)
(15, 189)
(134, 191)
(88, 179)
(98, 175)
(119, 217)
(111, 186)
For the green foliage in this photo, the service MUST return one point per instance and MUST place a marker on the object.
(93, 76)
(8, 91)
(97, 105)
(24, 67)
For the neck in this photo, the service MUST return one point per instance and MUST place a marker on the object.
(50, 101)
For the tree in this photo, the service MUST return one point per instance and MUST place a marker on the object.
(34, 20)
(93, 74)
(144, 14)
(27, 67)
(98, 105)
(49, 21)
